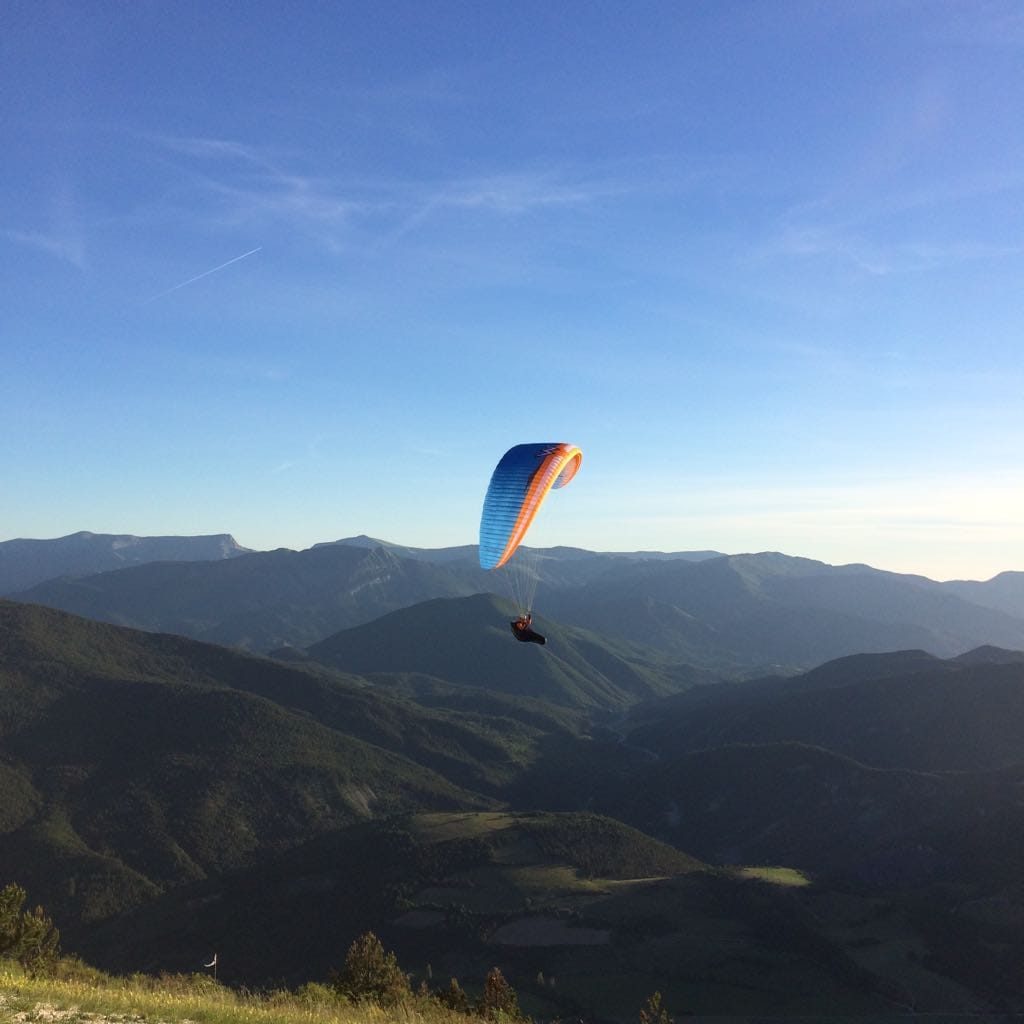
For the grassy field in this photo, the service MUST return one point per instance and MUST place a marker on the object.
(775, 875)
(100, 999)
(439, 826)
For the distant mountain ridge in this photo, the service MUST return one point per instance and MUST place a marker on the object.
(1004, 592)
(738, 615)
(25, 562)
(470, 551)
(742, 612)
(461, 553)
(261, 600)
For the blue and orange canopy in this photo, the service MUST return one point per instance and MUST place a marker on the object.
(518, 487)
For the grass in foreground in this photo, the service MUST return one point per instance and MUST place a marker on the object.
(95, 998)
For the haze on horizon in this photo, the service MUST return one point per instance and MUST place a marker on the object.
(308, 273)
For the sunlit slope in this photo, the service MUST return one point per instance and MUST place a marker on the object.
(260, 600)
(468, 641)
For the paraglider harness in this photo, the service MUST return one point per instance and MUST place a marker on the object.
(521, 630)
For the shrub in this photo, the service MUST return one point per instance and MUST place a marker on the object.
(72, 969)
(194, 984)
(317, 997)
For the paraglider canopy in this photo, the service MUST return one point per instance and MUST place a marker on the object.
(520, 483)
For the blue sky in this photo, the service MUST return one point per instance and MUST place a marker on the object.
(300, 271)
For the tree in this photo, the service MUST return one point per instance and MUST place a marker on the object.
(652, 1012)
(26, 936)
(371, 973)
(11, 899)
(40, 942)
(499, 998)
(454, 997)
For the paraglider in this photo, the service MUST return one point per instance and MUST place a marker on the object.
(520, 483)
(522, 630)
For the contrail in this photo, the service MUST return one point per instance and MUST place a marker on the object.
(205, 273)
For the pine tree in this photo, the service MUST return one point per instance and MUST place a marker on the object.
(499, 999)
(28, 937)
(652, 1012)
(39, 942)
(12, 898)
(454, 997)
(371, 973)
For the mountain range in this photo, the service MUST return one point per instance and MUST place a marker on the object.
(735, 615)
(161, 794)
(665, 796)
(258, 601)
(25, 562)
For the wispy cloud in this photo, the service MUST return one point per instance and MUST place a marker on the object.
(210, 148)
(520, 193)
(232, 183)
(921, 186)
(899, 230)
(68, 248)
(305, 204)
(244, 185)
(63, 237)
(878, 257)
(507, 195)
